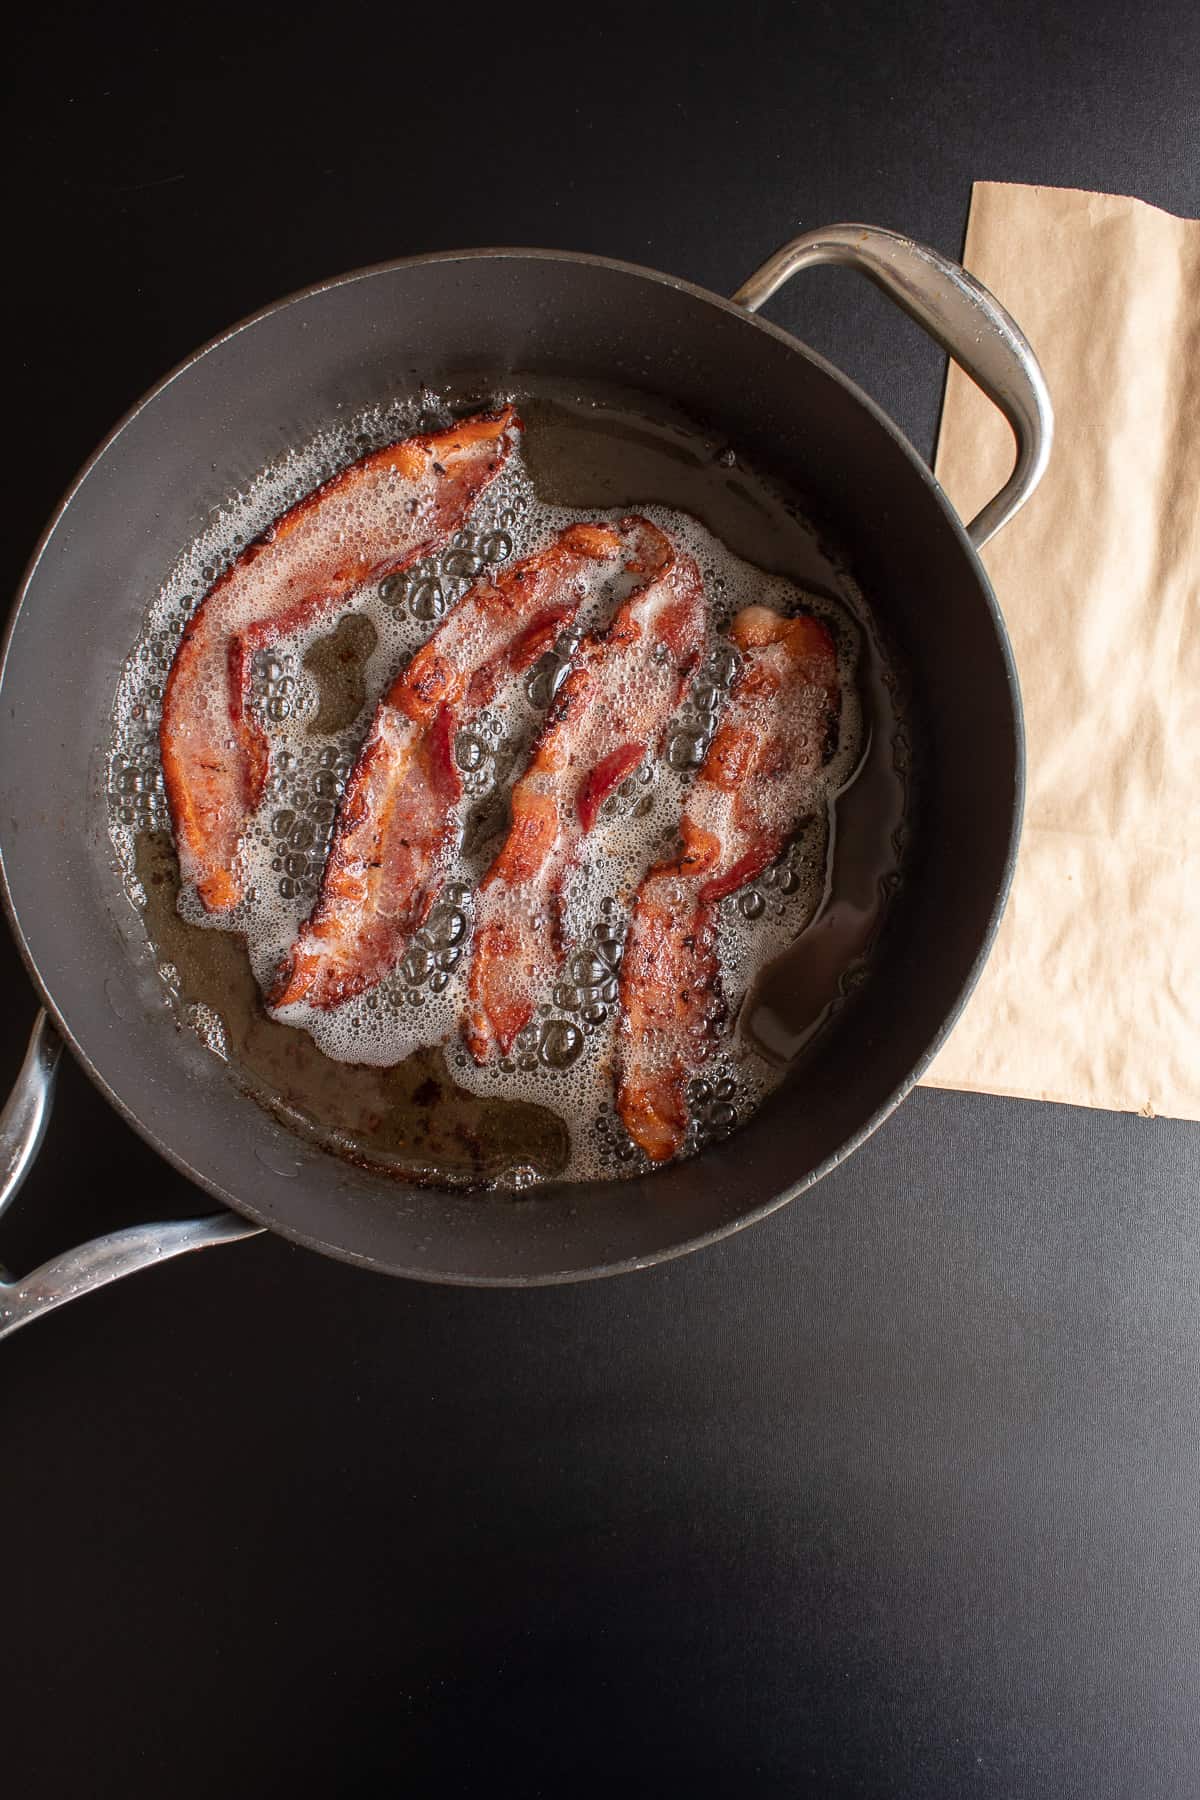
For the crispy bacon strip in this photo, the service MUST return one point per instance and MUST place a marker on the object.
(397, 818)
(379, 515)
(743, 806)
(608, 715)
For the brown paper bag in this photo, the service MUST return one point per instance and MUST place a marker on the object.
(1092, 993)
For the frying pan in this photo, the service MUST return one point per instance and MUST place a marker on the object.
(227, 412)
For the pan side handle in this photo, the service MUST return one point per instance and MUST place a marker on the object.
(93, 1265)
(963, 317)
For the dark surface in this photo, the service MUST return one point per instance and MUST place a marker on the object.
(898, 1493)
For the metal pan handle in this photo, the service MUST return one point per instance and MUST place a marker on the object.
(968, 322)
(22, 1128)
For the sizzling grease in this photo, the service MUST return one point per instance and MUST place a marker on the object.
(384, 1078)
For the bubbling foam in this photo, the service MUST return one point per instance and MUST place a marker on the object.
(564, 1059)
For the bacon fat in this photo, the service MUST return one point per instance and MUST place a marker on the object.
(397, 821)
(743, 806)
(607, 717)
(381, 514)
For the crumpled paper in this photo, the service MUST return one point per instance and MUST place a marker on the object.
(1092, 992)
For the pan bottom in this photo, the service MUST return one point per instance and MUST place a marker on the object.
(590, 450)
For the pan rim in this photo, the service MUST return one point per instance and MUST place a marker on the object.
(792, 1191)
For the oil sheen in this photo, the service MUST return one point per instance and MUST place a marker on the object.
(384, 1078)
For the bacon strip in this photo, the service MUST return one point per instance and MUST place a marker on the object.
(379, 515)
(748, 793)
(608, 715)
(397, 823)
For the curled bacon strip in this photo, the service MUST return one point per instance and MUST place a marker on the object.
(397, 821)
(607, 716)
(379, 515)
(743, 806)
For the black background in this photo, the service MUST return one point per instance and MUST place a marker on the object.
(898, 1493)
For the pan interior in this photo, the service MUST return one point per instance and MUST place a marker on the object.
(425, 1113)
(494, 317)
